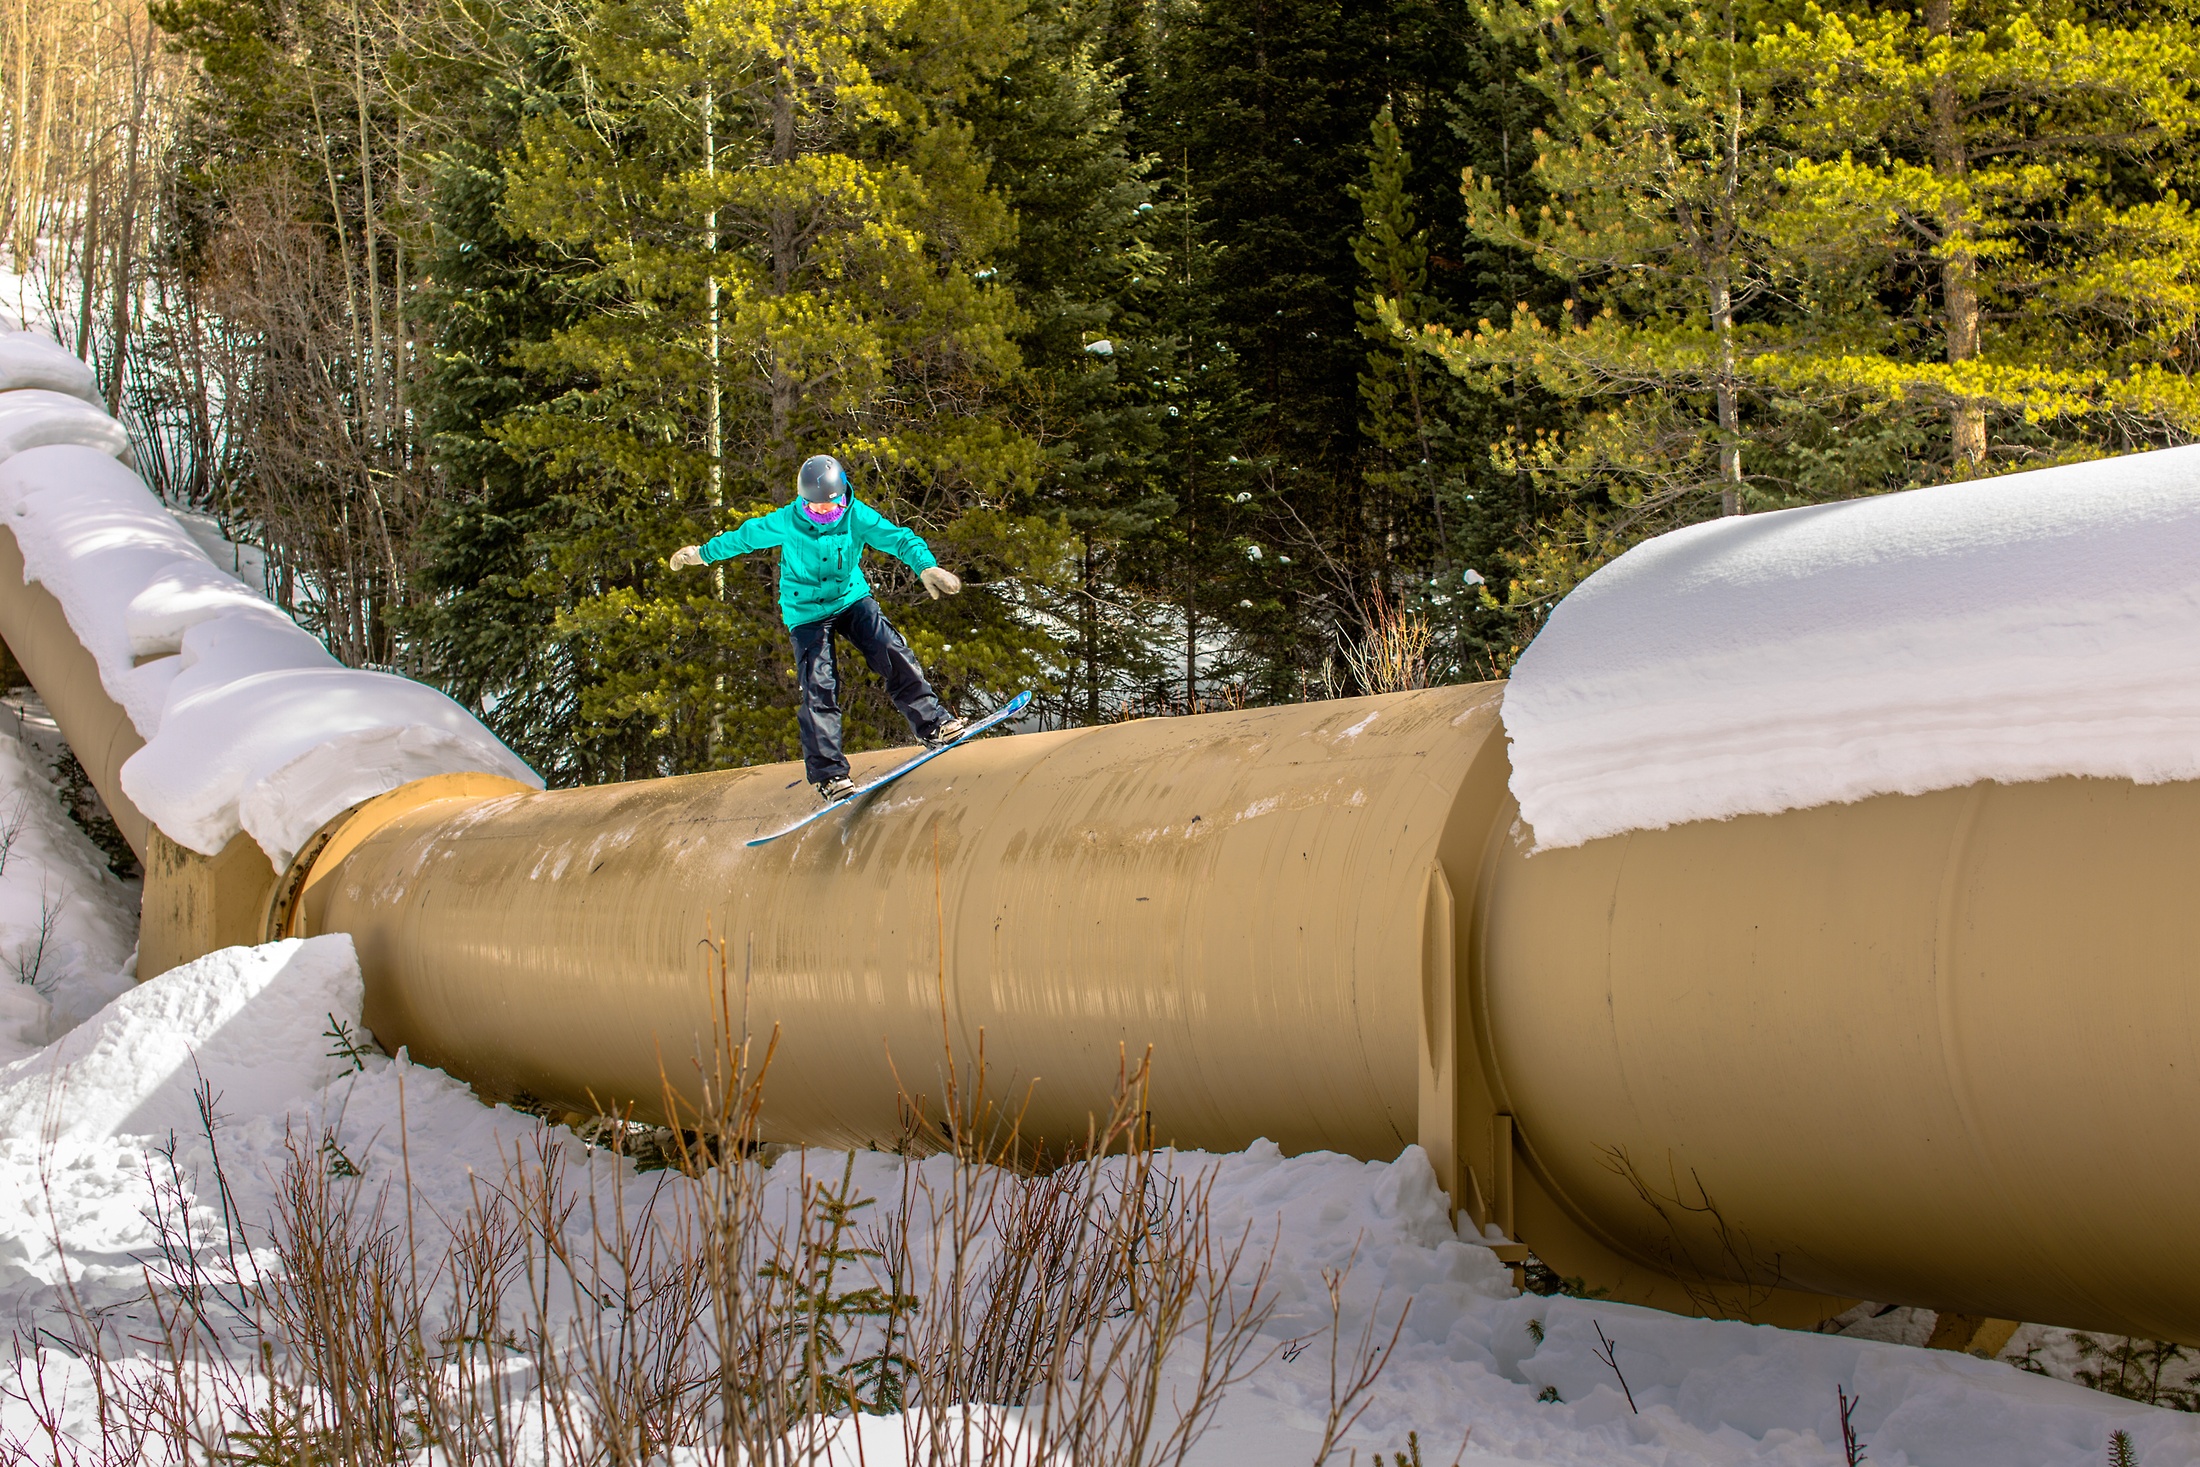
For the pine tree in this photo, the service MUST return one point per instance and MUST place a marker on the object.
(1086, 273)
(1657, 175)
(1258, 114)
(1418, 468)
(785, 239)
(485, 629)
(2004, 179)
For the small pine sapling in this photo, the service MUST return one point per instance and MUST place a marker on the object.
(2121, 1453)
(346, 1045)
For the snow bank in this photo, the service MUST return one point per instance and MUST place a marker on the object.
(321, 738)
(2011, 629)
(250, 725)
(240, 1020)
(248, 563)
(67, 924)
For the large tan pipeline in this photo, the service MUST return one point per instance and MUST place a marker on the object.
(1938, 1050)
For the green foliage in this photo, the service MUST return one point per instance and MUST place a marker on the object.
(2015, 159)
(1814, 253)
(344, 1044)
(1411, 1457)
(1416, 483)
(1136, 309)
(824, 1322)
(780, 233)
(485, 628)
(1087, 275)
(1655, 173)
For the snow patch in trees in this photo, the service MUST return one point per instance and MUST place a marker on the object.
(249, 723)
(2013, 629)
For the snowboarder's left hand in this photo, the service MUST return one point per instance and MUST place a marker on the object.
(940, 582)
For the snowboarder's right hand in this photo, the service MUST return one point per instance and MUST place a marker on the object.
(685, 556)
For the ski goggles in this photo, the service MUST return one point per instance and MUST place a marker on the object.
(825, 511)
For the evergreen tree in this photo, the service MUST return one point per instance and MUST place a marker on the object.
(485, 629)
(1993, 188)
(1258, 115)
(1658, 172)
(1086, 273)
(1418, 469)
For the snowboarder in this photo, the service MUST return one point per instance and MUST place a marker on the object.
(822, 592)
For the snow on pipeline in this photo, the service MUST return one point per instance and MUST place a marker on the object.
(2018, 628)
(249, 723)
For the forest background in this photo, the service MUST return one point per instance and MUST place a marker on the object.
(1234, 351)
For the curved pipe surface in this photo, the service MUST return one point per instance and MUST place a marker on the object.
(1936, 1049)
(1244, 892)
(1933, 1049)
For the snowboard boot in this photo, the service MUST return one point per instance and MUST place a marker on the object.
(833, 791)
(946, 733)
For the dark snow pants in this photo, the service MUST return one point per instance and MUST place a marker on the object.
(816, 668)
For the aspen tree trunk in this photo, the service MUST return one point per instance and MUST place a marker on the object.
(372, 368)
(1091, 618)
(1729, 399)
(1959, 262)
(784, 229)
(717, 392)
(90, 280)
(126, 245)
(1722, 299)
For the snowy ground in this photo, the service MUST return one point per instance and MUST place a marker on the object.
(100, 1092)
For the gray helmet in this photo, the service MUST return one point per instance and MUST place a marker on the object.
(822, 478)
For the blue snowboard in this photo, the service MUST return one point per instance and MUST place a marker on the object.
(999, 716)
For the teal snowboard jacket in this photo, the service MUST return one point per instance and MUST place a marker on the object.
(819, 569)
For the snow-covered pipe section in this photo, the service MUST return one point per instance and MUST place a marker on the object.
(243, 721)
(2021, 628)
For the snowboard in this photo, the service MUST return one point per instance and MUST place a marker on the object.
(992, 720)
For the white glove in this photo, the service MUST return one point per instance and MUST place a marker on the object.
(940, 582)
(686, 555)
